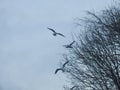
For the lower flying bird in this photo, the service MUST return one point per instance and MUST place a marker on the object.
(62, 68)
(55, 33)
(65, 64)
(59, 70)
(69, 45)
(72, 88)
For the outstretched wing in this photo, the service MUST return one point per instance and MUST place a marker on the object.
(51, 30)
(72, 43)
(61, 34)
(65, 63)
(59, 70)
(72, 88)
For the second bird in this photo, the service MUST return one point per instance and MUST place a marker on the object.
(69, 45)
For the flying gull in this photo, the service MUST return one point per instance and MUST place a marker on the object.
(62, 68)
(69, 45)
(56, 33)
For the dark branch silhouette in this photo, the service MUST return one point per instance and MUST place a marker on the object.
(95, 58)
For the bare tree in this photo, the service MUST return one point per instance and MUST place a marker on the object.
(94, 61)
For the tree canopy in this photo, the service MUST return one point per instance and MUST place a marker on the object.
(94, 60)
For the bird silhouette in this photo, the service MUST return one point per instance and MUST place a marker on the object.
(62, 68)
(69, 45)
(59, 70)
(56, 33)
(65, 64)
(72, 88)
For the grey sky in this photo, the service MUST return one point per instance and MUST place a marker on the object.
(29, 54)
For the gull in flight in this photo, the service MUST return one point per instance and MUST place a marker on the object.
(58, 69)
(65, 64)
(69, 45)
(55, 33)
(62, 68)
(72, 88)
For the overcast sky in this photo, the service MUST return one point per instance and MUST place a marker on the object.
(29, 54)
